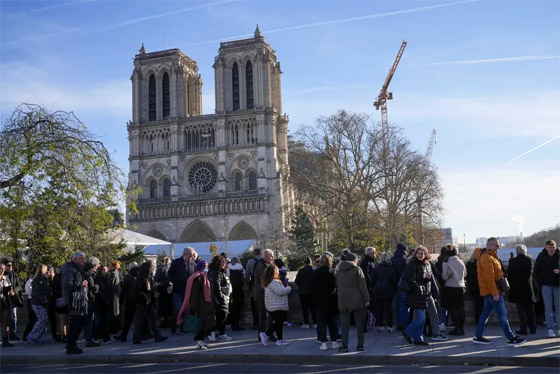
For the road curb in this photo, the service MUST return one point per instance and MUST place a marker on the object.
(247, 358)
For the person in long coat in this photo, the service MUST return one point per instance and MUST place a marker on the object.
(323, 286)
(454, 272)
(198, 302)
(353, 298)
(384, 288)
(418, 275)
(520, 276)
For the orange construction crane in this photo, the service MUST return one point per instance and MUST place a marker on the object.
(381, 99)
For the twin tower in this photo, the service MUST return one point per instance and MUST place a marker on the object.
(214, 177)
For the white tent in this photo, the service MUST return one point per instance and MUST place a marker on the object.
(132, 239)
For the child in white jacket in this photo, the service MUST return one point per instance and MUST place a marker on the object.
(276, 303)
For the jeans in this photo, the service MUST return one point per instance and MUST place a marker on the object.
(416, 328)
(489, 306)
(551, 295)
(13, 321)
(88, 328)
(443, 315)
(401, 310)
(359, 318)
(177, 304)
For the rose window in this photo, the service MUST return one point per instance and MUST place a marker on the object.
(202, 177)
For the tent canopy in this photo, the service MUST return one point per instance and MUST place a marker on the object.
(133, 239)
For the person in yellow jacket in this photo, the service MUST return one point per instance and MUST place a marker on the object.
(489, 271)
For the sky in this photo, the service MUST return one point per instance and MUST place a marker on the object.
(485, 74)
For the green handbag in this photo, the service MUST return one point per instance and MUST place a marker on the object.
(191, 323)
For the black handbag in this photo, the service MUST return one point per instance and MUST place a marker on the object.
(503, 285)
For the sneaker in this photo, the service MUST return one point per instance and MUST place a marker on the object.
(201, 345)
(389, 329)
(335, 345)
(407, 338)
(516, 340)
(225, 338)
(213, 336)
(318, 341)
(107, 342)
(304, 326)
(282, 342)
(323, 346)
(480, 340)
(264, 338)
(380, 329)
(551, 333)
(360, 348)
(442, 326)
(314, 326)
(343, 349)
(120, 337)
(161, 339)
(287, 323)
(439, 338)
(421, 342)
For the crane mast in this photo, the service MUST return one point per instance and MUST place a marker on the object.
(384, 95)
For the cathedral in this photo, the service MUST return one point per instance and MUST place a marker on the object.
(213, 177)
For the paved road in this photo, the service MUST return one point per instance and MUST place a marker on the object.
(211, 368)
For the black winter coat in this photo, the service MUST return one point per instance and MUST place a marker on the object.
(398, 261)
(472, 278)
(417, 297)
(304, 279)
(367, 265)
(221, 289)
(127, 290)
(544, 267)
(323, 286)
(520, 276)
(384, 281)
(40, 291)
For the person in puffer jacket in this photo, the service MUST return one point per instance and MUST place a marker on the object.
(276, 303)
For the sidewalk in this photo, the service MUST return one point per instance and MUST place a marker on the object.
(381, 348)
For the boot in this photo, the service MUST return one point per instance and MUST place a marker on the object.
(13, 336)
(6, 343)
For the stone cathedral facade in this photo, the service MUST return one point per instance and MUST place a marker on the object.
(215, 177)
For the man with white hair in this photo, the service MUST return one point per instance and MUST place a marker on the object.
(179, 272)
(520, 274)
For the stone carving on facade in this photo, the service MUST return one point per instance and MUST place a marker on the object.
(157, 170)
(168, 162)
(243, 162)
(231, 155)
(254, 153)
(144, 164)
(216, 156)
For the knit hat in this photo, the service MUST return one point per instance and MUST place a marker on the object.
(402, 247)
(200, 265)
(350, 256)
(328, 254)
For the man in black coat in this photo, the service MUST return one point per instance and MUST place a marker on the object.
(127, 299)
(179, 272)
(74, 280)
(304, 280)
(398, 261)
(547, 274)
(520, 275)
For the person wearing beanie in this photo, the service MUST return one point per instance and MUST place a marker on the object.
(398, 261)
(198, 302)
(353, 298)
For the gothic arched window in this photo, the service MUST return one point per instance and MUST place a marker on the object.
(235, 86)
(249, 81)
(166, 188)
(165, 95)
(153, 189)
(238, 182)
(152, 98)
(252, 181)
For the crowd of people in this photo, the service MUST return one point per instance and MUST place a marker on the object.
(420, 296)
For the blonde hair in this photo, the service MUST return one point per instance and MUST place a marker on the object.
(271, 272)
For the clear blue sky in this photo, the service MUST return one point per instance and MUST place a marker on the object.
(484, 74)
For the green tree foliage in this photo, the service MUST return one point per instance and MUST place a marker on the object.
(58, 188)
(302, 233)
(538, 239)
(214, 250)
